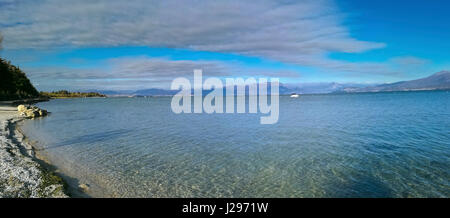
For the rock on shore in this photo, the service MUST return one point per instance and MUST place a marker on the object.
(31, 111)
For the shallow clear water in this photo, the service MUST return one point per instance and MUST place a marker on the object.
(349, 145)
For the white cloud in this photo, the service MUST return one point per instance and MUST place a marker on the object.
(140, 72)
(299, 32)
(409, 60)
(412, 66)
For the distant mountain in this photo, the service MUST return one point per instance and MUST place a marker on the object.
(160, 92)
(319, 88)
(437, 81)
(111, 92)
(140, 92)
(14, 84)
(284, 89)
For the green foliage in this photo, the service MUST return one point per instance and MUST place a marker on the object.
(67, 94)
(50, 178)
(14, 84)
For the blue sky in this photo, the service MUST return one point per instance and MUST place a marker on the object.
(117, 45)
(409, 27)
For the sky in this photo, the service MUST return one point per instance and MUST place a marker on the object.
(129, 45)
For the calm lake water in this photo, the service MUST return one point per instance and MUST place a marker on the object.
(338, 145)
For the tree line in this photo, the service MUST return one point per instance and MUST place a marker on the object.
(67, 94)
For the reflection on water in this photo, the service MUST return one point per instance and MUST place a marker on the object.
(88, 138)
(353, 145)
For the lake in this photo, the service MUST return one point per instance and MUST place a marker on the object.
(335, 145)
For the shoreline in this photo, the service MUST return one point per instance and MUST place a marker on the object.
(73, 188)
(22, 173)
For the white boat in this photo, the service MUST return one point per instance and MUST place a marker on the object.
(294, 95)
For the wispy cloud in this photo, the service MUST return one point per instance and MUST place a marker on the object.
(409, 60)
(142, 72)
(299, 32)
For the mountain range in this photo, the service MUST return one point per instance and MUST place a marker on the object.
(437, 81)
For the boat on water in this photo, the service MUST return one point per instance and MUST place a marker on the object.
(295, 95)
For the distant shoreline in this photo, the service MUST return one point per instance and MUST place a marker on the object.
(67, 94)
(288, 94)
(74, 97)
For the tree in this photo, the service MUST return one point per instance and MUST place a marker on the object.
(14, 84)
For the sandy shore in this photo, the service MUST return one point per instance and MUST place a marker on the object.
(21, 176)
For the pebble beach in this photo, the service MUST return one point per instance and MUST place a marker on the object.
(21, 176)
